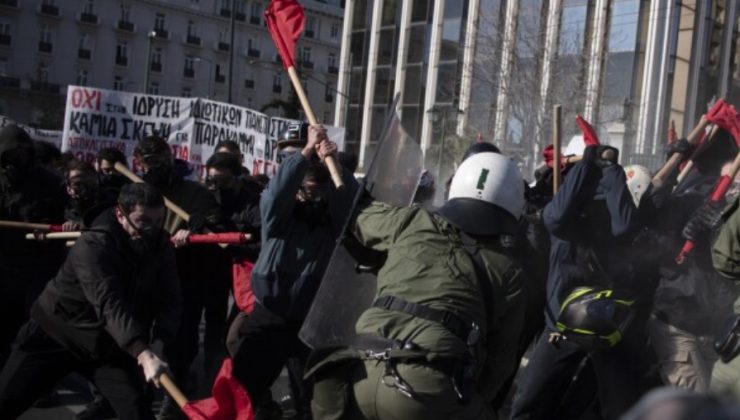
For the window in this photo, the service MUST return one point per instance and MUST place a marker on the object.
(3, 66)
(5, 37)
(125, 12)
(189, 70)
(159, 22)
(187, 92)
(81, 77)
(332, 60)
(306, 55)
(118, 83)
(42, 73)
(256, 11)
(122, 53)
(220, 76)
(334, 32)
(84, 42)
(89, 8)
(45, 34)
(240, 6)
(191, 29)
(310, 27)
(223, 36)
(225, 4)
(153, 88)
(157, 56)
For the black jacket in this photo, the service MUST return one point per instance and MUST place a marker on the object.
(106, 297)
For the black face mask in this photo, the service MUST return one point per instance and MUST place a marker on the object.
(313, 212)
(158, 176)
(112, 180)
(149, 240)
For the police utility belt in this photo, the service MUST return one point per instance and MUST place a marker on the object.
(460, 371)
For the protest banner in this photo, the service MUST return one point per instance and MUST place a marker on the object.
(49, 136)
(99, 118)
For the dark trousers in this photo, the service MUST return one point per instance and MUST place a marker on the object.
(37, 363)
(547, 389)
(205, 281)
(267, 343)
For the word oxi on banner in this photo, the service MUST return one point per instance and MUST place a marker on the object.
(99, 118)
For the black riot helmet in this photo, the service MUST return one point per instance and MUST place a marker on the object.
(593, 318)
(294, 135)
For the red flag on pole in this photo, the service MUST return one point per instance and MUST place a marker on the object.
(726, 117)
(589, 134)
(230, 400)
(285, 21)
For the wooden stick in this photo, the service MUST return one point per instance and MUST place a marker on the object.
(677, 158)
(69, 244)
(169, 385)
(556, 143)
(135, 178)
(336, 175)
(54, 235)
(690, 164)
(25, 225)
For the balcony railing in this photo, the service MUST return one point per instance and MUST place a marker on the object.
(44, 87)
(249, 84)
(121, 61)
(241, 16)
(223, 46)
(253, 53)
(10, 82)
(333, 69)
(189, 73)
(225, 13)
(220, 78)
(255, 20)
(277, 88)
(45, 47)
(307, 65)
(89, 18)
(84, 53)
(156, 67)
(161, 33)
(193, 40)
(49, 9)
(124, 25)
(5, 39)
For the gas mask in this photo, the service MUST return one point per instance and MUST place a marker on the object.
(222, 187)
(15, 164)
(159, 170)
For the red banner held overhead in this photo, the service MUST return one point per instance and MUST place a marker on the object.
(285, 20)
(589, 134)
(726, 117)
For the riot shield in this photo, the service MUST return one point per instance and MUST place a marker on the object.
(347, 289)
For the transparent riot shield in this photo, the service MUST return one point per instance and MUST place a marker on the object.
(347, 288)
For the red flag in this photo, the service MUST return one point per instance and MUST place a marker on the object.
(589, 134)
(242, 286)
(230, 400)
(726, 117)
(285, 21)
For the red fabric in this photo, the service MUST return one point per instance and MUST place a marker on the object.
(726, 117)
(285, 21)
(242, 285)
(549, 155)
(217, 238)
(672, 135)
(589, 134)
(55, 228)
(230, 400)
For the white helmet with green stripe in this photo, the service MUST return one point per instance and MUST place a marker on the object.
(486, 195)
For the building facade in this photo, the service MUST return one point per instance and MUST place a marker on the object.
(491, 70)
(167, 47)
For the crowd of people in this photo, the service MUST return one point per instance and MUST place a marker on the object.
(511, 299)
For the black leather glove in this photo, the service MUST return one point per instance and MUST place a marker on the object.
(601, 156)
(704, 220)
(681, 146)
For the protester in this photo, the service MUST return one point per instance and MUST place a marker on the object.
(440, 338)
(83, 192)
(232, 147)
(302, 214)
(108, 178)
(154, 156)
(591, 220)
(114, 303)
(28, 193)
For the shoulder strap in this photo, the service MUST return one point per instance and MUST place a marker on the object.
(484, 281)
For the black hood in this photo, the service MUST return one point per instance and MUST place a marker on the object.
(478, 218)
(13, 137)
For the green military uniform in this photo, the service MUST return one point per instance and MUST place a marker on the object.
(427, 264)
(726, 260)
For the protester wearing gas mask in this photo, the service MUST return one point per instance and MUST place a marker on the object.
(302, 214)
(84, 194)
(108, 178)
(28, 193)
(115, 303)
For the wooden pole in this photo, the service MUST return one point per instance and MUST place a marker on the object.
(677, 158)
(690, 164)
(556, 144)
(24, 225)
(135, 178)
(336, 175)
(54, 235)
(169, 385)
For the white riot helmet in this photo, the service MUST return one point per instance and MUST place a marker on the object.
(486, 196)
(638, 181)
